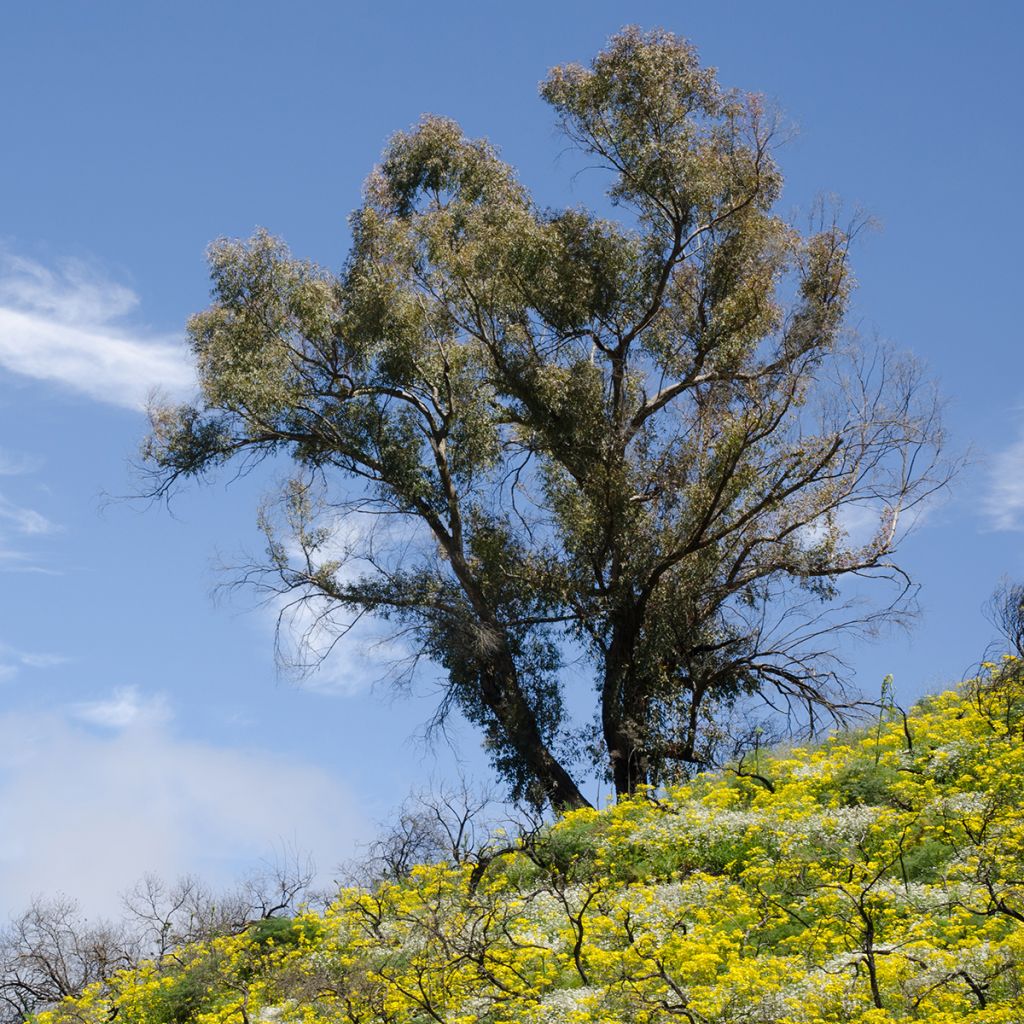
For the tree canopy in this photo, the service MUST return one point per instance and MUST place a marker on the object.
(528, 437)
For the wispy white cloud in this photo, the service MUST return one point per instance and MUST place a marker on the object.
(44, 660)
(857, 525)
(860, 523)
(1003, 504)
(17, 463)
(19, 525)
(33, 570)
(142, 798)
(123, 708)
(62, 326)
(12, 660)
(25, 520)
(338, 651)
(17, 561)
(333, 651)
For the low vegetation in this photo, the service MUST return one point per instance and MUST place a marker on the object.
(877, 877)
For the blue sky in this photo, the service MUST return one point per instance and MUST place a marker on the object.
(144, 723)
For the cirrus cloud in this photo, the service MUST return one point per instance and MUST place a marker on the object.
(1003, 504)
(62, 326)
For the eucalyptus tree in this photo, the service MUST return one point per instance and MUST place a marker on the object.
(525, 437)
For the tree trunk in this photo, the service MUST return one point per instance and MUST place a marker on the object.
(625, 745)
(501, 694)
(626, 757)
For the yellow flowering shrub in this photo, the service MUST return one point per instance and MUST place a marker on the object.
(876, 878)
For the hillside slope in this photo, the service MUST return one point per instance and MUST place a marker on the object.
(877, 878)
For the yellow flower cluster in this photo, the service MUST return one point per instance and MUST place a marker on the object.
(874, 879)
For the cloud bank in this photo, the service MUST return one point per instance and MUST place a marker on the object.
(62, 326)
(97, 794)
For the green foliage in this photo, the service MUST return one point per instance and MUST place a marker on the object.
(865, 782)
(926, 861)
(278, 931)
(184, 996)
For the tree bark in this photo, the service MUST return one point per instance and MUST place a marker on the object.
(626, 753)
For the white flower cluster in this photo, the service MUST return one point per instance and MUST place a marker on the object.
(934, 968)
(546, 917)
(949, 760)
(555, 1006)
(833, 987)
(922, 898)
(960, 804)
(696, 826)
(844, 825)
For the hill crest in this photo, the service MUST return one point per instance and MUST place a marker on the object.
(876, 878)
